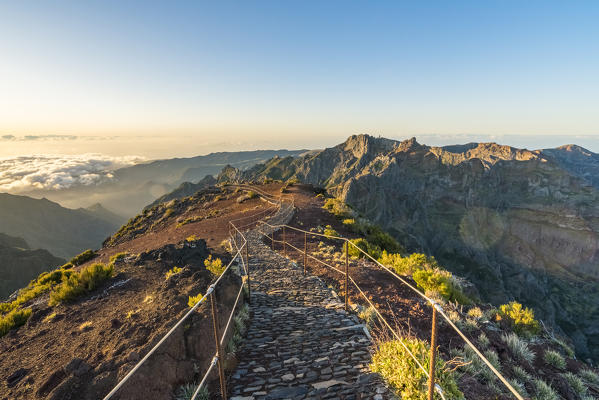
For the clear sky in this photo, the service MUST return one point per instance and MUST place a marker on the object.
(192, 77)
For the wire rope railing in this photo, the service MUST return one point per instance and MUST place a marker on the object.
(284, 208)
(239, 246)
(437, 309)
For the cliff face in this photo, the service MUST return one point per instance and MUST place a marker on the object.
(520, 224)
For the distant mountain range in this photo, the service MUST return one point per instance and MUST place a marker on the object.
(520, 224)
(132, 188)
(19, 264)
(44, 224)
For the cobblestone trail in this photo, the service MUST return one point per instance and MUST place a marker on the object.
(301, 343)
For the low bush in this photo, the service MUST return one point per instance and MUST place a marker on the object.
(193, 300)
(441, 282)
(522, 320)
(329, 231)
(554, 359)
(81, 282)
(83, 257)
(402, 374)
(338, 208)
(408, 265)
(215, 266)
(172, 271)
(377, 237)
(13, 319)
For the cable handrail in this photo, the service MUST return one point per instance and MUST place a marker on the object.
(437, 307)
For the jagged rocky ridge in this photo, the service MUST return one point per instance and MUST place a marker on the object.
(520, 224)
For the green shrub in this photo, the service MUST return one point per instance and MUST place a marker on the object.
(67, 266)
(404, 377)
(377, 237)
(13, 319)
(338, 208)
(483, 341)
(79, 283)
(172, 271)
(439, 281)
(522, 320)
(194, 299)
(408, 265)
(83, 257)
(555, 359)
(329, 231)
(215, 266)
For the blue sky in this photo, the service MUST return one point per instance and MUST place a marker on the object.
(282, 73)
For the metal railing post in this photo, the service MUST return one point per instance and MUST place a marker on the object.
(247, 265)
(305, 251)
(346, 275)
(433, 355)
(284, 243)
(219, 350)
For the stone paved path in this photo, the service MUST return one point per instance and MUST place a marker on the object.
(301, 344)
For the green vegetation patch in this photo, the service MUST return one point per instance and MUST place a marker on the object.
(439, 281)
(522, 320)
(173, 271)
(83, 257)
(79, 283)
(13, 319)
(393, 362)
(215, 266)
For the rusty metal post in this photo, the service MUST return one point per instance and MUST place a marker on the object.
(284, 242)
(346, 275)
(305, 251)
(219, 350)
(433, 355)
(247, 265)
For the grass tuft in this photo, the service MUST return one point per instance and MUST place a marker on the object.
(543, 391)
(79, 283)
(518, 347)
(13, 319)
(554, 359)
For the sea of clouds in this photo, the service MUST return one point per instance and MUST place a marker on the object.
(57, 172)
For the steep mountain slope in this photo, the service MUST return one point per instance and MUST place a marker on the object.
(47, 225)
(130, 189)
(515, 222)
(19, 264)
(81, 347)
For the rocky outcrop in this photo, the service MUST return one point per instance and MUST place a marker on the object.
(520, 224)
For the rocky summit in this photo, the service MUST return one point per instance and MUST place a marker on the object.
(520, 224)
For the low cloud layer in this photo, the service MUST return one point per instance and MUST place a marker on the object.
(21, 174)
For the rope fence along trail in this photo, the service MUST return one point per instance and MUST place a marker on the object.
(240, 246)
(267, 230)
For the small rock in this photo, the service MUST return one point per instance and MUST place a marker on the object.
(288, 377)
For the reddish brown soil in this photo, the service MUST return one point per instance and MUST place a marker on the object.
(90, 344)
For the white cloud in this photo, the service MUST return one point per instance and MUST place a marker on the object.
(58, 172)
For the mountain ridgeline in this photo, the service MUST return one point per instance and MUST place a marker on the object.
(519, 224)
(44, 224)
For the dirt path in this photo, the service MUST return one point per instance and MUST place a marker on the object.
(301, 343)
